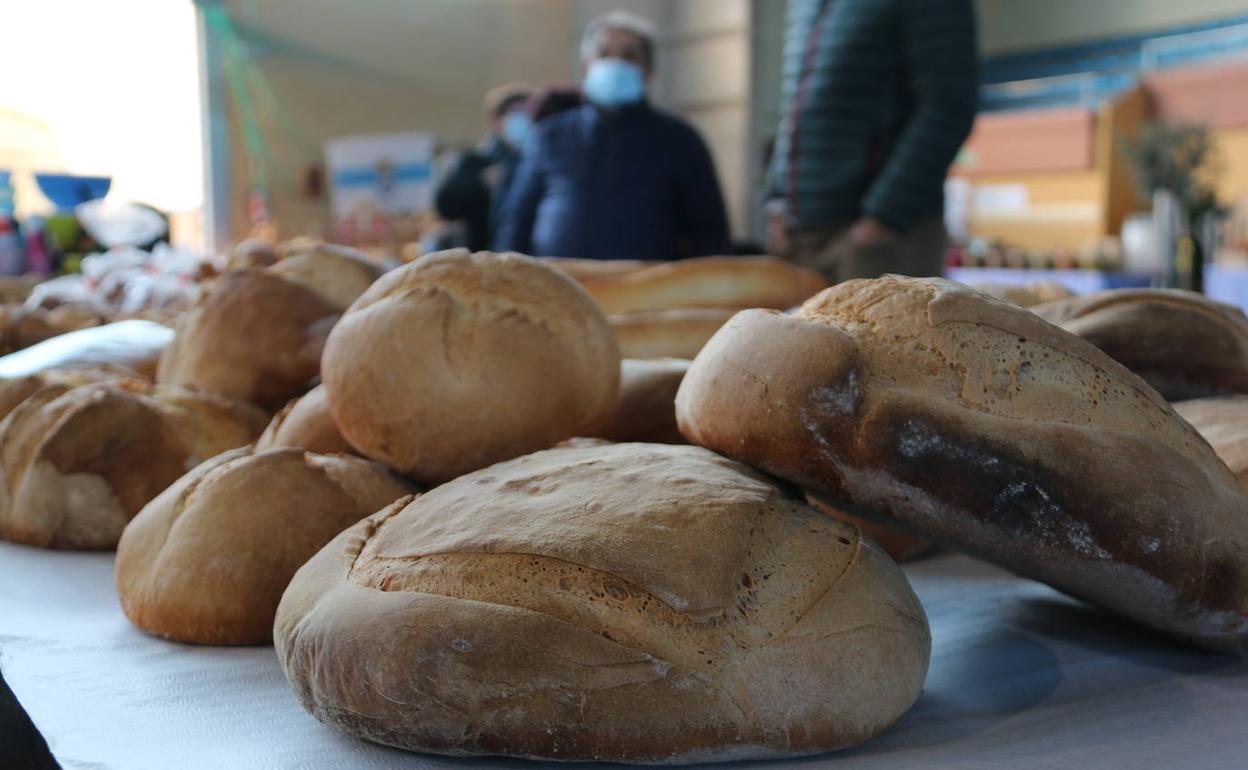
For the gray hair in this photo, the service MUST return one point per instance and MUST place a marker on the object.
(621, 20)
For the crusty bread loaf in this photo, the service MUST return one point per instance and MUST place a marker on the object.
(625, 602)
(26, 327)
(252, 336)
(1026, 296)
(252, 252)
(1183, 344)
(978, 424)
(339, 274)
(459, 360)
(582, 269)
(897, 544)
(667, 333)
(645, 409)
(721, 282)
(1224, 424)
(208, 559)
(15, 390)
(15, 289)
(77, 463)
(305, 423)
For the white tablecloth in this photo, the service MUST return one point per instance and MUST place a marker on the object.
(1021, 677)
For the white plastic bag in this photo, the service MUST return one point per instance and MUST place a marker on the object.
(65, 290)
(136, 344)
(120, 224)
(95, 267)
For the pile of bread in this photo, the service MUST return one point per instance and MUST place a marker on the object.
(478, 529)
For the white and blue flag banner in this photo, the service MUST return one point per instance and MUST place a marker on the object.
(387, 172)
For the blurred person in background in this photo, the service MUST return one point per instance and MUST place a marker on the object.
(615, 178)
(474, 188)
(879, 96)
(554, 99)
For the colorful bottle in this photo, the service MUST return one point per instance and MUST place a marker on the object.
(38, 255)
(11, 261)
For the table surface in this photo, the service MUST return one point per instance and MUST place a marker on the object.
(1021, 677)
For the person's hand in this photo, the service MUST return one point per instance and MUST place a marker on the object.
(778, 242)
(869, 230)
(491, 176)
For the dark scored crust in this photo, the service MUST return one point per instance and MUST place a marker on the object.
(981, 426)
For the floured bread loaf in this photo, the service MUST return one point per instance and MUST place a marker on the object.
(208, 559)
(458, 360)
(645, 409)
(719, 282)
(15, 390)
(625, 602)
(305, 423)
(667, 333)
(1183, 344)
(252, 252)
(1224, 424)
(253, 336)
(338, 273)
(978, 424)
(897, 544)
(25, 327)
(76, 464)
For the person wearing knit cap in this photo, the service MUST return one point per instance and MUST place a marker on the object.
(477, 182)
(615, 178)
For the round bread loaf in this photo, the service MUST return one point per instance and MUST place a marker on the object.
(253, 336)
(1027, 295)
(208, 559)
(622, 602)
(978, 424)
(15, 390)
(76, 464)
(458, 360)
(305, 423)
(252, 252)
(1183, 344)
(1224, 424)
(15, 289)
(645, 409)
(667, 333)
(338, 273)
(714, 282)
(897, 544)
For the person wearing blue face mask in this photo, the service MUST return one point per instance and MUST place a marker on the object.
(615, 178)
(474, 188)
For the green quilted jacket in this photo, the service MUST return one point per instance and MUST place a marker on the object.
(878, 97)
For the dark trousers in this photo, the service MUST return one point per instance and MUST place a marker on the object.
(918, 252)
(21, 745)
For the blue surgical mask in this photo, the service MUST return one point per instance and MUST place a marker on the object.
(516, 125)
(612, 83)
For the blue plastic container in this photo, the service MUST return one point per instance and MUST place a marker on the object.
(67, 190)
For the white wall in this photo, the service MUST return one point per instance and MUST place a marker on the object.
(103, 88)
(1011, 25)
(372, 66)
